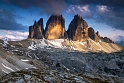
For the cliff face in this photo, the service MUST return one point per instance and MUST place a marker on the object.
(31, 32)
(78, 29)
(55, 27)
(93, 35)
(36, 31)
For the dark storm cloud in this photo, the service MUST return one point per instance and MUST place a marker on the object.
(119, 3)
(47, 6)
(113, 17)
(110, 16)
(8, 22)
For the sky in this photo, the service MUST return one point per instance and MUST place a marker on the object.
(105, 16)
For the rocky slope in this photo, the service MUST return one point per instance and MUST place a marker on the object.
(49, 76)
(55, 27)
(51, 62)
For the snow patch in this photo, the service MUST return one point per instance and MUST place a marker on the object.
(5, 71)
(7, 67)
(25, 60)
(32, 47)
(57, 43)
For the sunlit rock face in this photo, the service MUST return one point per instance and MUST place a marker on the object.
(93, 35)
(36, 31)
(55, 27)
(78, 29)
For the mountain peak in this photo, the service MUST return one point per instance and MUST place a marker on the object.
(78, 29)
(36, 31)
(55, 27)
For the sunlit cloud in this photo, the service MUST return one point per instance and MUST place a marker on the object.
(102, 8)
(14, 35)
(82, 10)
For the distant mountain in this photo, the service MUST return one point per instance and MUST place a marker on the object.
(121, 43)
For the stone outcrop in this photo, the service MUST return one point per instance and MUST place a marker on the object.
(93, 35)
(36, 31)
(78, 29)
(106, 39)
(55, 27)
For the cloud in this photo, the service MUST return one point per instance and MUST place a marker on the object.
(14, 35)
(82, 10)
(110, 16)
(110, 12)
(8, 21)
(115, 37)
(110, 3)
(120, 38)
(46, 6)
(18, 33)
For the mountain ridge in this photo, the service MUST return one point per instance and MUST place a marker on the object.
(77, 30)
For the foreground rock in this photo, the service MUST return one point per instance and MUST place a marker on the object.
(55, 61)
(49, 76)
(55, 27)
(36, 31)
(93, 35)
(78, 29)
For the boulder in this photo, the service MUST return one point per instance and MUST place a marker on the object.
(94, 36)
(78, 29)
(55, 27)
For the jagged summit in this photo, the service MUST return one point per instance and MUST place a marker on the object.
(78, 29)
(36, 31)
(78, 17)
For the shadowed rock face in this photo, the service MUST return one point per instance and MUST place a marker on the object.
(31, 32)
(94, 36)
(78, 29)
(36, 31)
(55, 27)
